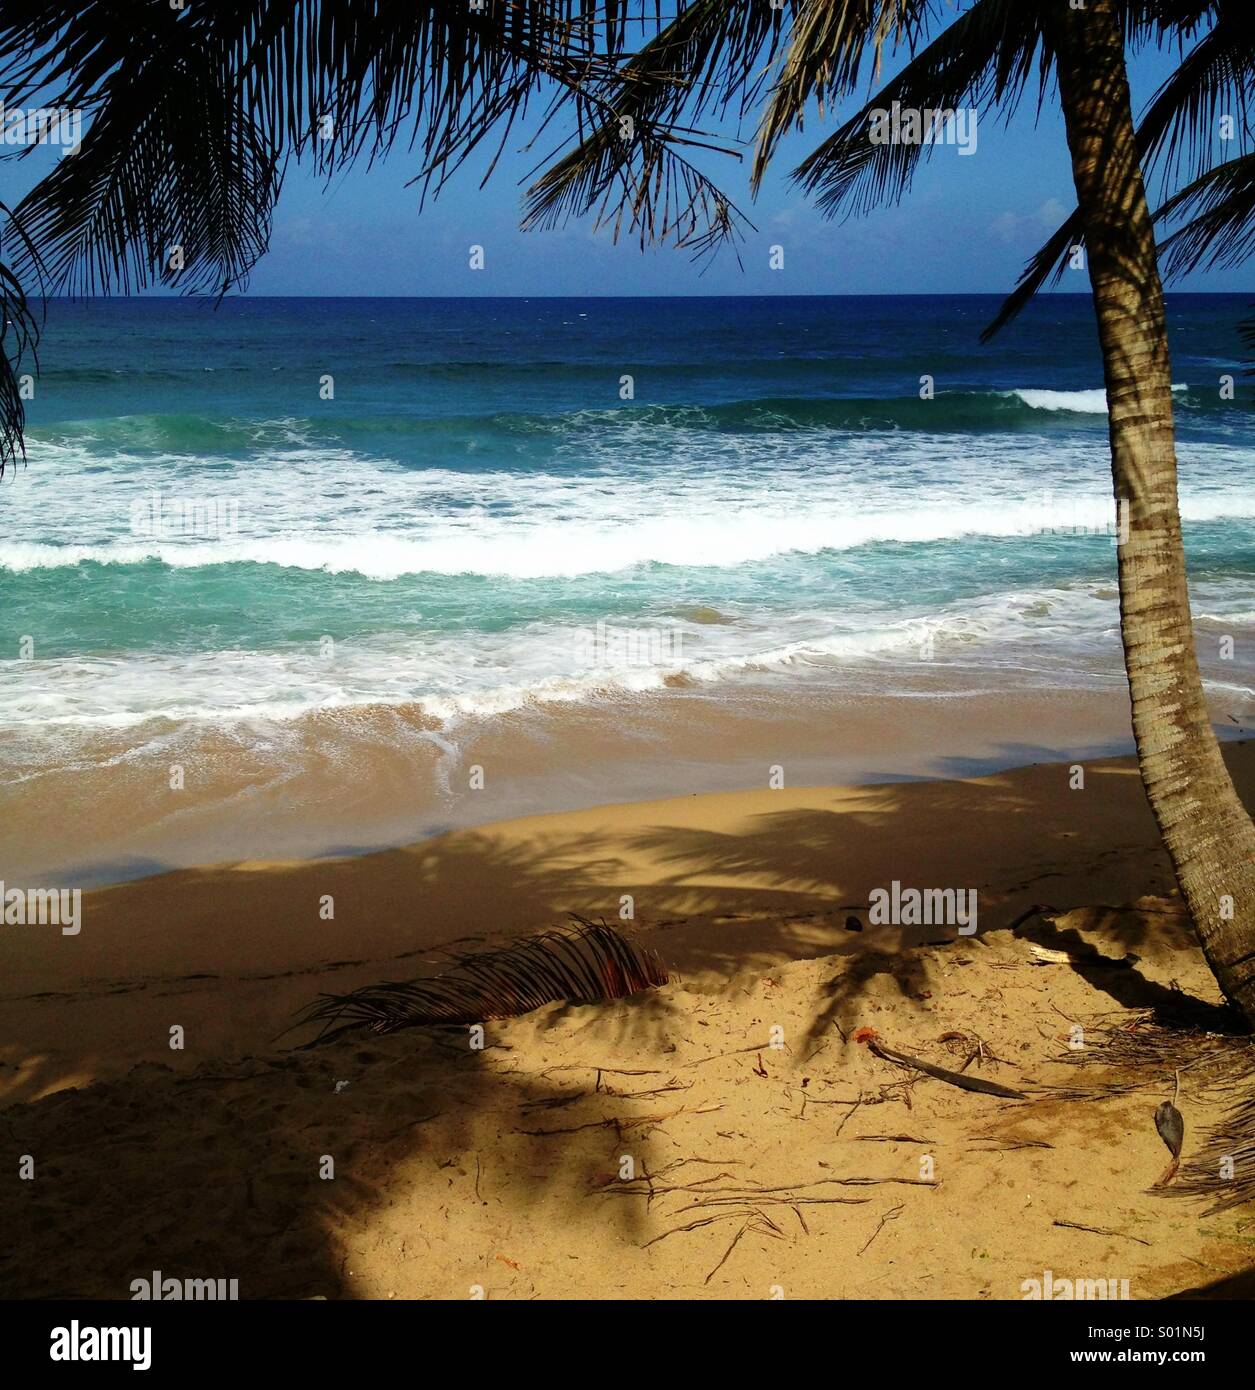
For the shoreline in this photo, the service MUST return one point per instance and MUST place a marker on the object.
(721, 883)
(359, 781)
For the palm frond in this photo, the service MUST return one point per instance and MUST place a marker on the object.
(584, 964)
(1213, 79)
(190, 115)
(1223, 1170)
(1247, 329)
(986, 58)
(19, 338)
(629, 166)
(176, 191)
(828, 46)
(1220, 205)
(642, 185)
(1048, 264)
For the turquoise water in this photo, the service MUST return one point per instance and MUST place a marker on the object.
(470, 516)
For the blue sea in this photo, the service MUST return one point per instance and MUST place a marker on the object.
(238, 517)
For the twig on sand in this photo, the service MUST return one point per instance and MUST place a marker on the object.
(1099, 1231)
(640, 1095)
(715, 1056)
(952, 1078)
(692, 1226)
(891, 1215)
(838, 1182)
(1009, 1147)
(845, 1119)
(786, 1201)
(808, 1099)
(890, 1139)
(650, 1191)
(756, 1221)
(613, 1071)
(787, 1193)
(409, 1125)
(619, 1123)
(555, 1102)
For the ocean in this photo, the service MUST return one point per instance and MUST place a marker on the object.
(297, 528)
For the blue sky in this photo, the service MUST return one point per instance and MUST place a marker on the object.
(967, 226)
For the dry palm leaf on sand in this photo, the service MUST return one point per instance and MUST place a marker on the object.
(583, 964)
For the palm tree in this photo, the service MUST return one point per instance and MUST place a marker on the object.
(1209, 836)
(193, 114)
(1206, 830)
(987, 57)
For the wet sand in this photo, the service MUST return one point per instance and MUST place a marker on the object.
(130, 803)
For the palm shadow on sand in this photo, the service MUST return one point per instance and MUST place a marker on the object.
(215, 1172)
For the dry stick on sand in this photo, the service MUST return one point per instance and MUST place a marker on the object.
(891, 1139)
(953, 1078)
(757, 1221)
(1099, 1231)
(891, 1215)
(786, 1194)
(621, 1123)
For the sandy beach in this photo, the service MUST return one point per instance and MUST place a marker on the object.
(627, 673)
(811, 1167)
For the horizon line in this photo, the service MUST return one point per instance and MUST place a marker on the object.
(203, 297)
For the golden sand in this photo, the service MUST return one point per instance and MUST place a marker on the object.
(503, 1170)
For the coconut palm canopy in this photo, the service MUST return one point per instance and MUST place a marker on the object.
(191, 116)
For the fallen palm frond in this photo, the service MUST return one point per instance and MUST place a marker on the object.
(1224, 1168)
(584, 964)
(1202, 1043)
(1196, 1049)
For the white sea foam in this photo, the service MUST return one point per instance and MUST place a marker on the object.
(314, 510)
(715, 502)
(1092, 402)
(1072, 629)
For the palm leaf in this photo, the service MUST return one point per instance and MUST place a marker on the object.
(985, 58)
(19, 334)
(1223, 1170)
(190, 114)
(585, 964)
(1048, 263)
(827, 48)
(1213, 77)
(712, 55)
(1221, 227)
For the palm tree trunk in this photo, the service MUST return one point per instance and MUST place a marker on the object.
(1208, 834)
